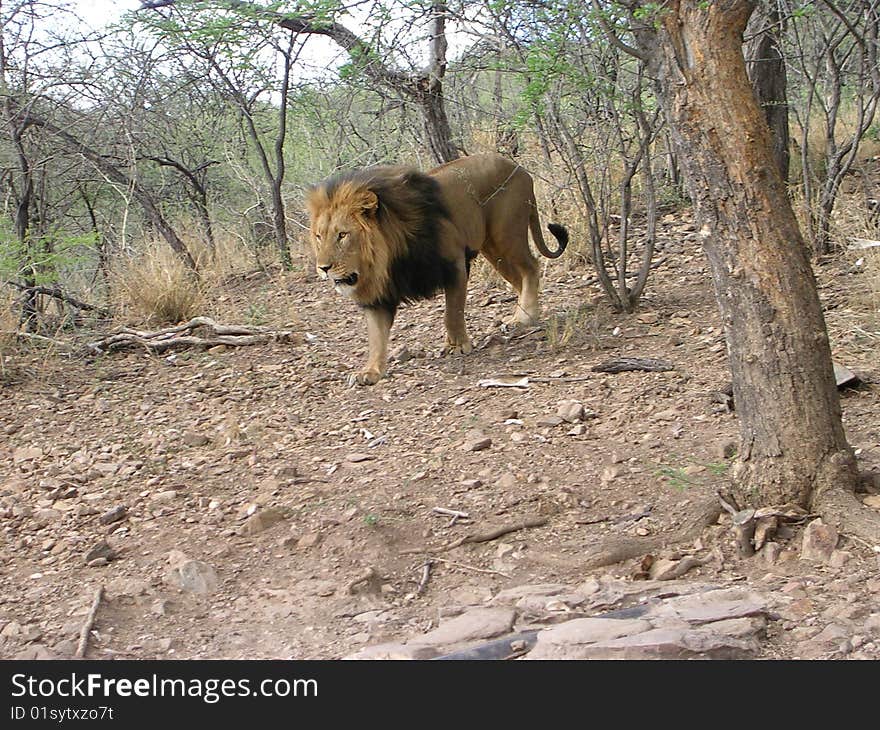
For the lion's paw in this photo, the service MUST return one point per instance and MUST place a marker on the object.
(458, 348)
(364, 377)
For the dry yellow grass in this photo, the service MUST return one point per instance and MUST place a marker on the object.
(155, 286)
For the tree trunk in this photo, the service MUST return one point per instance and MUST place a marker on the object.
(793, 445)
(767, 72)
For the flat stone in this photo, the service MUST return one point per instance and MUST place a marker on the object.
(193, 576)
(476, 441)
(819, 542)
(568, 639)
(873, 501)
(26, 453)
(192, 438)
(511, 596)
(734, 639)
(309, 540)
(478, 623)
(101, 550)
(709, 606)
(262, 520)
(394, 651)
(570, 411)
(113, 515)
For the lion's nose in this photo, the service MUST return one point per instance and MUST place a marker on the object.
(326, 268)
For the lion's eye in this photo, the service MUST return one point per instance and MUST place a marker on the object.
(343, 235)
(318, 236)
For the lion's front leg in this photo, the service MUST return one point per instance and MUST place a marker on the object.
(379, 321)
(457, 340)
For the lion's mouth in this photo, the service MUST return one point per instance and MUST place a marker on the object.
(349, 280)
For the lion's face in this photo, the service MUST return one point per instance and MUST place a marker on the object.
(338, 235)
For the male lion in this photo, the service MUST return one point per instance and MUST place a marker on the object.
(386, 235)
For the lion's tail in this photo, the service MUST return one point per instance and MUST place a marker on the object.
(560, 233)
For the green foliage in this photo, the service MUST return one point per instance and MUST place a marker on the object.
(41, 259)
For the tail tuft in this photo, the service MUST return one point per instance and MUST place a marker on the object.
(560, 233)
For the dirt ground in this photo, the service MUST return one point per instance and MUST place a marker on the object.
(344, 480)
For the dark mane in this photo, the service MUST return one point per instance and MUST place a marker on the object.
(411, 205)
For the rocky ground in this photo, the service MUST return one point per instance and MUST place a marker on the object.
(246, 503)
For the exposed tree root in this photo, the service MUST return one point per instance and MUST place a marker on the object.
(843, 510)
(181, 336)
(618, 549)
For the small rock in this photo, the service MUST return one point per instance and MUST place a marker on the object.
(872, 624)
(873, 501)
(549, 421)
(113, 515)
(26, 453)
(261, 520)
(839, 558)
(476, 441)
(395, 652)
(164, 497)
(478, 623)
(159, 607)
(100, 551)
(819, 541)
(402, 354)
(309, 540)
(471, 483)
(771, 551)
(356, 458)
(192, 438)
(98, 563)
(192, 576)
(570, 411)
(36, 652)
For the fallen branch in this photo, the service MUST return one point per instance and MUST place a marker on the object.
(480, 537)
(497, 532)
(426, 576)
(89, 624)
(181, 336)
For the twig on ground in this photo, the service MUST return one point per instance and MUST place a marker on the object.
(450, 512)
(88, 625)
(497, 532)
(426, 576)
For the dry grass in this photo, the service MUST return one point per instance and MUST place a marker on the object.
(155, 286)
(583, 326)
(233, 286)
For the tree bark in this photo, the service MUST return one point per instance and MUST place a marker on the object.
(793, 444)
(766, 68)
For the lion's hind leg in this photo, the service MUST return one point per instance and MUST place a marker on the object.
(521, 272)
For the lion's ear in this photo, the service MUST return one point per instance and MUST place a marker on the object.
(368, 201)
